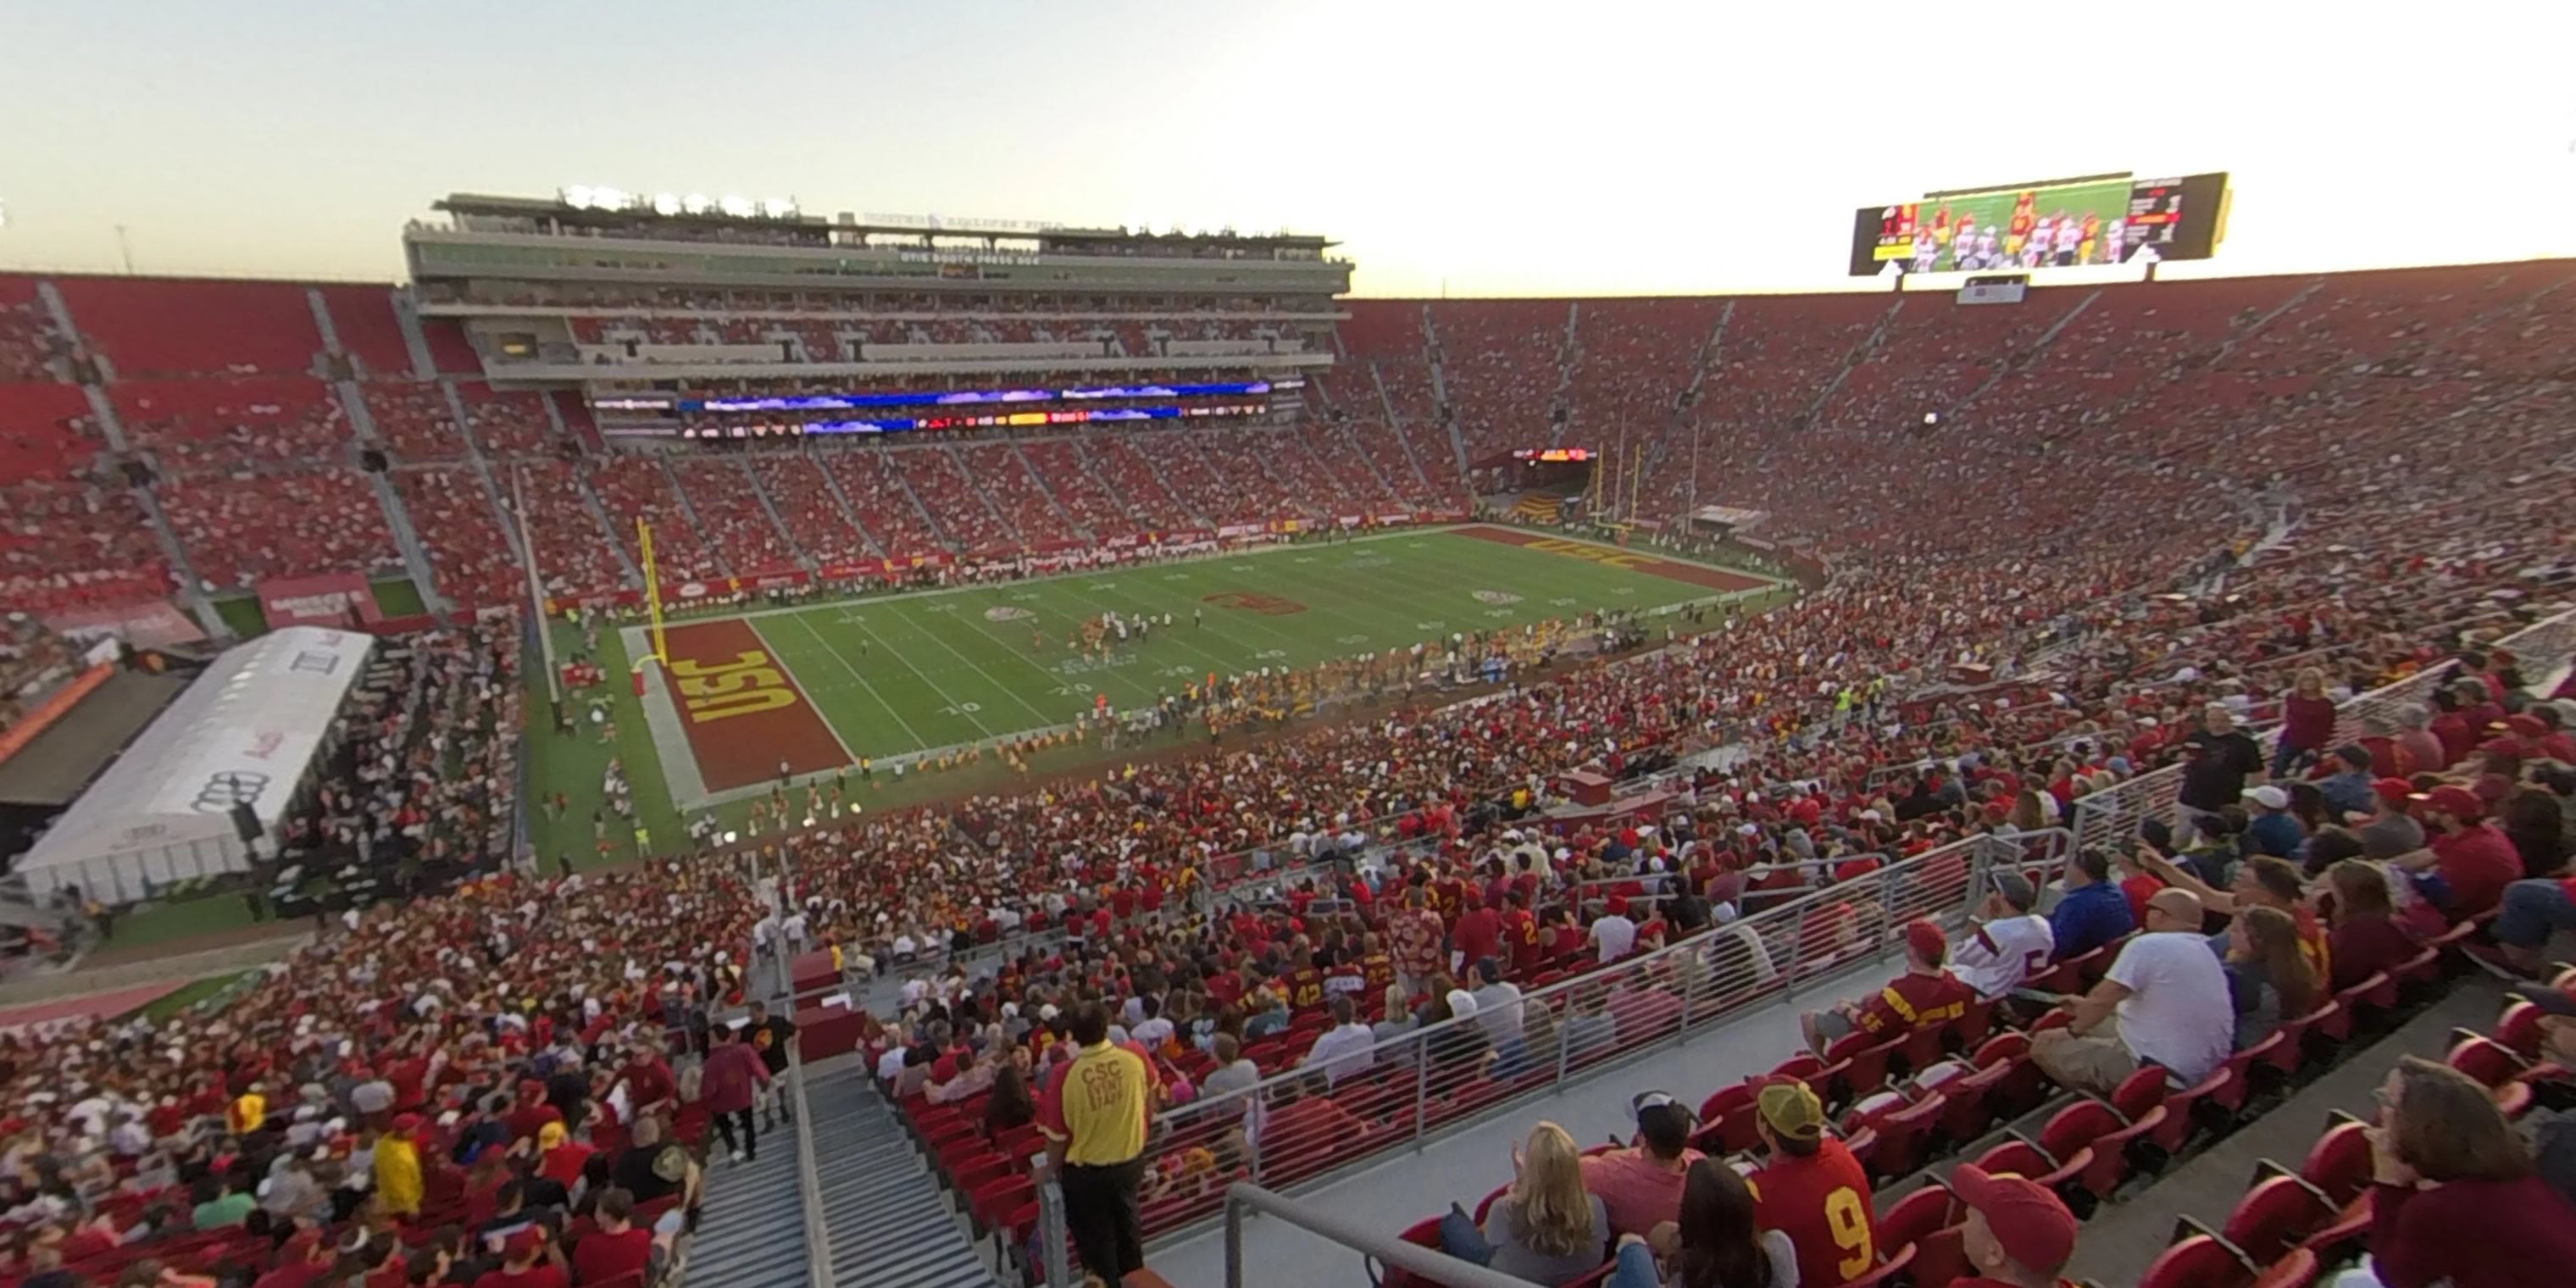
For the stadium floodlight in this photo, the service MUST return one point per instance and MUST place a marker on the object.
(696, 203)
(737, 207)
(778, 207)
(666, 203)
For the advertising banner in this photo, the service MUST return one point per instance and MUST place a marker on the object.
(336, 600)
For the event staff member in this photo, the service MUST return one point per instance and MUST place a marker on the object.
(1094, 1115)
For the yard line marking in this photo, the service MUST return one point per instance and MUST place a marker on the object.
(855, 674)
(1173, 632)
(781, 660)
(924, 628)
(1055, 679)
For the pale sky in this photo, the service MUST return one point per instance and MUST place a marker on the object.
(1494, 148)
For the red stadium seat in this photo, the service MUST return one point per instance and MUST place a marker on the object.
(1865, 1065)
(2339, 1164)
(2197, 1262)
(2273, 1216)
(2494, 1066)
(1893, 1267)
(2296, 1269)
(1918, 1216)
(2518, 1029)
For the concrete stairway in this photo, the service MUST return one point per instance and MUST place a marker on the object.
(750, 1231)
(890, 1222)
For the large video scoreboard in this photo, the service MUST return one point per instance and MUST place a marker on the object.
(2098, 219)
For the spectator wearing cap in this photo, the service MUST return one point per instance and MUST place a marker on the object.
(2346, 787)
(2006, 941)
(1812, 1189)
(560, 1158)
(2272, 830)
(1641, 1186)
(2474, 861)
(1715, 1243)
(528, 1260)
(2093, 912)
(2018, 1235)
(2420, 750)
(2165, 1002)
(1923, 996)
(2391, 830)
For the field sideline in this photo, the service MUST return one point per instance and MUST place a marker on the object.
(906, 677)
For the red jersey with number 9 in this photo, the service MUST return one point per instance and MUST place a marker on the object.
(1822, 1203)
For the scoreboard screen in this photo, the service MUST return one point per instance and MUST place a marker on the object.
(2106, 219)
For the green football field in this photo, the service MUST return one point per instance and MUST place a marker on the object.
(911, 677)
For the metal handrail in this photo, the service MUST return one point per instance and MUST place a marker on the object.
(809, 1181)
(1788, 917)
(1430, 1263)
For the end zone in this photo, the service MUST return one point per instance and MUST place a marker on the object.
(737, 710)
(1717, 579)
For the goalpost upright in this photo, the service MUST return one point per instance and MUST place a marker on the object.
(652, 604)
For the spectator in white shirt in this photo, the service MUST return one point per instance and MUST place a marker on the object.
(1152, 1031)
(1498, 1003)
(890, 1064)
(2007, 942)
(1343, 1049)
(1614, 934)
(2165, 1000)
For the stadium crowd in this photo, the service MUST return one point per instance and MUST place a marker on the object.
(469, 1084)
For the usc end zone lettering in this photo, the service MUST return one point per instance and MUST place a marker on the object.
(741, 709)
(1595, 554)
(741, 687)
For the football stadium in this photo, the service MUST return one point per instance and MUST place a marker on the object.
(687, 741)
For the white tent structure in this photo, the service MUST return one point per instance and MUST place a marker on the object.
(249, 731)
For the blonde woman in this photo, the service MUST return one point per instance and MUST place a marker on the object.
(2307, 721)
(1546, 1228)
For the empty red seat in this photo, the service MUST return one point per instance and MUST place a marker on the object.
(2339, 1164)
(2273, 1216)
(2494, 1066)
(2296, 1269)
(2197, 1262)
(2094, 1127)
(2518, 1029)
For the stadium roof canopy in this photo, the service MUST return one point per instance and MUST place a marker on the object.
(249, 730)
